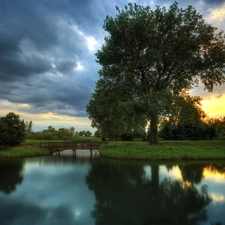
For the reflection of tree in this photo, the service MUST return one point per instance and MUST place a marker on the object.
(10, 174)
(192, 173)
(217, 167)
(125, 195)
(183, 202)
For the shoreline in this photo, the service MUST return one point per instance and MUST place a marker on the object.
(23, 151)
(166, 150)
(136, 150)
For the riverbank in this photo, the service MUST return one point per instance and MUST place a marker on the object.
(23, 150)
(166, 150)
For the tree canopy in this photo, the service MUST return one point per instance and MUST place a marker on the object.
(12, 130)
(150, 56)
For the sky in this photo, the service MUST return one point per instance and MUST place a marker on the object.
(48, 67)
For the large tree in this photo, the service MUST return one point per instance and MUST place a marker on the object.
(154, 54)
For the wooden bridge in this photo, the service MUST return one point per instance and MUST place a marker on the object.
(61, 146)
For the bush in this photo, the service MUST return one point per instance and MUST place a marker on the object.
(12, 130)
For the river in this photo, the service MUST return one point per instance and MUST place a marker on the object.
(66, 190)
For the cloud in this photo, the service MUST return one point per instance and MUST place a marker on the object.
(66, 66)
(38, 46)
(218, 14)
(217, 198)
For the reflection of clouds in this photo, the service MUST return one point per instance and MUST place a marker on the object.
(215, 176)
(217, 197)
(186, 184)
(57, 189)
(15, 211)
(77, 212)
(148, 173)
(215, 182)
(174, 173)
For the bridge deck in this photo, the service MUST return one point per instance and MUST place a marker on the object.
(61, 146)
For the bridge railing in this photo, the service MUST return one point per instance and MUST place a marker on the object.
(72, 145)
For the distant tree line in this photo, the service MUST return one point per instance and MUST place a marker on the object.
(52, 133)
(13, 131)
(190, 122)
(207, 129)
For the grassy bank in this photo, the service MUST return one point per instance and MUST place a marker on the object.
(166, 150)
(23, 150)
(30, 148)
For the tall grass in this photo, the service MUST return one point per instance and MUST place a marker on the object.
(23, 151)
(166, 150)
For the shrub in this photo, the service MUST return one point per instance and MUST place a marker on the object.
(12, 130)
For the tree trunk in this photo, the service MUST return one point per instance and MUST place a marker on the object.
(154, 129)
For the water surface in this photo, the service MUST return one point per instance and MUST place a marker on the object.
(83, 190)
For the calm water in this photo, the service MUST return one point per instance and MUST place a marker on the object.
(65, 190)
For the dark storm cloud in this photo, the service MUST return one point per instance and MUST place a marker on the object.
(66, 66)
(8, 43)
(58, 93)
(16, 68)
(214, 2)
(28, 19)
(39, 42)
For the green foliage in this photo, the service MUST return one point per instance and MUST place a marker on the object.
(206, 129)
(111, 115)
(12, 130)
(221, 127)
(98, 133)
(23, 151)
(61, 134)
(28, 129)
(167, 131)
(147, 59)
(166, 150)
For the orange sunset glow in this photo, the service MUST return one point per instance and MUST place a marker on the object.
(214, 107)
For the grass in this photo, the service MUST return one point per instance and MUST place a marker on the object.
(166, 150)
(31, 148)
(23, 150)
(84, 139)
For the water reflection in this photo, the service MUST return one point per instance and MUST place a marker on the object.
(11, 174)
(192, 173)
(84, 190)
(128, 196)
(53, 191)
